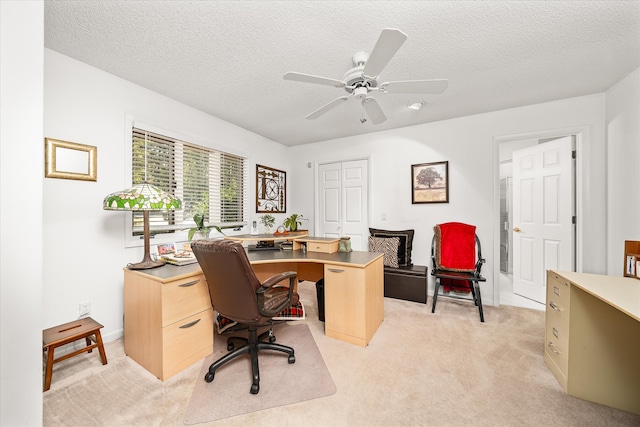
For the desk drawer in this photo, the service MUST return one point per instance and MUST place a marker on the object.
(182, 298)
(187, 341)
(324, 247)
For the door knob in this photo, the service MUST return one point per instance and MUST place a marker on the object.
(517, 230)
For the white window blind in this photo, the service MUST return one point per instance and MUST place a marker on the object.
(194, 174)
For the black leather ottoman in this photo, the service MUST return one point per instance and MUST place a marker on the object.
(407, 283)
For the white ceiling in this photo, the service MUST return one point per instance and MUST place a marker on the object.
(227, 58)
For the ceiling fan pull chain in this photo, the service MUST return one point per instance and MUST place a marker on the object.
(362, 119)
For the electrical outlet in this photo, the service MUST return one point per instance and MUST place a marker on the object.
(85, 309)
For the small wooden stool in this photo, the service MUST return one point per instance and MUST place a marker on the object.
(52, 338)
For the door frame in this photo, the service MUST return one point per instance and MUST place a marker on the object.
(316, 194)
(582, 135)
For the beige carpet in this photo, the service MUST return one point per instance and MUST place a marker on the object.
(281, 383)
(420, 369)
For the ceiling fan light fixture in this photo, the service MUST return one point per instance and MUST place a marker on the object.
(417, 105)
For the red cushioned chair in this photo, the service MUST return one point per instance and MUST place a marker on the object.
(456, 257)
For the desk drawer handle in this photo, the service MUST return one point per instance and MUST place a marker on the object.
(553, 348)
(556, 290)
(554, 306)
(188, 325)
(186, 285)
(336, 270)
(555, 332)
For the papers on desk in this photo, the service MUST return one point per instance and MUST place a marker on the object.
(180, 258)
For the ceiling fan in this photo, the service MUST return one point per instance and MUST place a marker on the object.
(362, 79)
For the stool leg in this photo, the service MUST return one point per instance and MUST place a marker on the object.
(48, 369)
(103, 355)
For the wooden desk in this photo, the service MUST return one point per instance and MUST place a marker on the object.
(593, 337)
(168, 319)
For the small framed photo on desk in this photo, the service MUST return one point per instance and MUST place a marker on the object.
(165, 248)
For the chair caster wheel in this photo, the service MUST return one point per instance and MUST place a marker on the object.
(230, 347)
(292, 359)
(208, 377)
(272, 339)
(255, 388)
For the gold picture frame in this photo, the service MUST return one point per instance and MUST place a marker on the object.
(69, 160)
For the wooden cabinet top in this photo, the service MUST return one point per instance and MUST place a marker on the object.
(623, 293)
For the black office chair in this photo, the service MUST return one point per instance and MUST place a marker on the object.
(456, 258)
(237, 294)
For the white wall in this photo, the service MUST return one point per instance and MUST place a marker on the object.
(468, 144)
(623, 163)
(85, 245)
(21, 166)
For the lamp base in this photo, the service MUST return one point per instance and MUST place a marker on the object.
(144, 265)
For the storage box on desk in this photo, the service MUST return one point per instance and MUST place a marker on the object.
(407, 283)
(327, 245)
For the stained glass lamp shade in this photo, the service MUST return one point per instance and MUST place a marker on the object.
(142, 197)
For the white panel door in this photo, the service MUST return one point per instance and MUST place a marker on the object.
(343, 201)
(543, 233)
(330, 200)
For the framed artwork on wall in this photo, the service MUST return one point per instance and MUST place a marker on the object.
(70, 160)
(271, 190)
(430, 183)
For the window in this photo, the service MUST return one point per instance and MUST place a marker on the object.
(196, 175)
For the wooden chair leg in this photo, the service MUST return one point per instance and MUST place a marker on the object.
(48, 369)
(435, 295)
(476, 285)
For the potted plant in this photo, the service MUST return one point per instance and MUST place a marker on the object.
(293, 221)
(201, 231)
(268, 221)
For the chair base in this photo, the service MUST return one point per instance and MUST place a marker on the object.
(252, 345)
(474, 286)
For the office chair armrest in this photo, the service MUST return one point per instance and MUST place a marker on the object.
(268, 284)
(273, 280)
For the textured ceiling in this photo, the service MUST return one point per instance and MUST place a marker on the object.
(227, 58)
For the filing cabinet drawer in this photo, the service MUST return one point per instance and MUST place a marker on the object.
(558, 289)
(182, 298)
(557, 346)
(558, 302)
(186, 341)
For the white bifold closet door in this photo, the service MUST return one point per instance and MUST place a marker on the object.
(343, 202)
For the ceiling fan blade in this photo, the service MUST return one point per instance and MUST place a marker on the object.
(415, 86)
(308, 78)
(320, 111)
(387, 45)
(373, 111)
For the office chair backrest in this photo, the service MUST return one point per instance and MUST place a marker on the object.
(231, 280)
